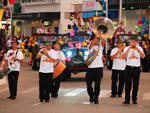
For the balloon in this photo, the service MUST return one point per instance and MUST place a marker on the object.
(143, 19)
(143, 30)
(145, 35)
(142, 33)
(146, 31)
(140, 28)
(141, 25)
(140, 21)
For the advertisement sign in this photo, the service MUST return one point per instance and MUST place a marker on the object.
(91, 6)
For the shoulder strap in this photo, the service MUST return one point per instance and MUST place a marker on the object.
(16, 53)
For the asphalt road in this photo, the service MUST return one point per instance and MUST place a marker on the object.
(73, 97)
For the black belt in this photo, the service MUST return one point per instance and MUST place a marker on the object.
(133, 66)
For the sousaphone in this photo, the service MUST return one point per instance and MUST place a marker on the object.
(104, 25)
(107, 29)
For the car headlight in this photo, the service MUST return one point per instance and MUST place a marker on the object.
(86, 53)
(69, 53)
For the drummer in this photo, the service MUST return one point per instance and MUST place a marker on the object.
(56, 82)
(48, 57)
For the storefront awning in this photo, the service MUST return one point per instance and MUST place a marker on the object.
(35, 16)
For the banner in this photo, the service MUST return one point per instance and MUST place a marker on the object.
(1, 14)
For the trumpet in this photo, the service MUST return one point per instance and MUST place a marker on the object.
(44, 51)
(105, 26)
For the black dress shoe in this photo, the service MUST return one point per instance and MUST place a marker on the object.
(47, 101)
(91, 100)
(119, 96)
(113, 96)
(55, 96)
(126, 102)
(135, 102)
(96, 101)
(9, 97)
(41, 100)
(13, 98)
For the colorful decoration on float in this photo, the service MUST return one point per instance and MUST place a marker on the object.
(78, 45)
(68, 59)
(142, 26)
(70, 44)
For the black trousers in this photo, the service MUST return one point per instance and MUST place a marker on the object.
(117, 88)
(94, 75)
(45, 84)
(55, 87)
(132, 77)
(12, 82)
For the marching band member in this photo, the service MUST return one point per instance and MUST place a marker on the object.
(13, 57)
(56, 82)
(48, 56)
(133, 55)
(95, 69)
(118, 68)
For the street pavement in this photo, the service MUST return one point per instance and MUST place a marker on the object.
(72, 98)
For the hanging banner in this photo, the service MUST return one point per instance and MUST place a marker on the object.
(1, 14)
(11, 1)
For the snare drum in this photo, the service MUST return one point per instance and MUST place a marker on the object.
(58, 69)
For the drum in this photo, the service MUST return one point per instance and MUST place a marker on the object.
(58, 69)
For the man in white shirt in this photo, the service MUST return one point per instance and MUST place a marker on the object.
(118, 68)
(56, 81)
(133, 55)
(95, 69)
(48, 57)
(13, 57)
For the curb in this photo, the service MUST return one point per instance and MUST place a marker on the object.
(3, 81)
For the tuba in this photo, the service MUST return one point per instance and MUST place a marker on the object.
(104, 25)
(107, 29)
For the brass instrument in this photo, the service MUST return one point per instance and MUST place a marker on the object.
(104, 25)
(107, 29)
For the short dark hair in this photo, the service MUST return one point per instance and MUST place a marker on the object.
(134, 38)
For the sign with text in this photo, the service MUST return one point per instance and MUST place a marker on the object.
(91, 6)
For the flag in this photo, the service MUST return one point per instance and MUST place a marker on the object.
(1, 14)
(11, 1)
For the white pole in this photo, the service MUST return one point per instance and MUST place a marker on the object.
(11, 21)
(120, 11)
(106, 45)
(106, 8)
